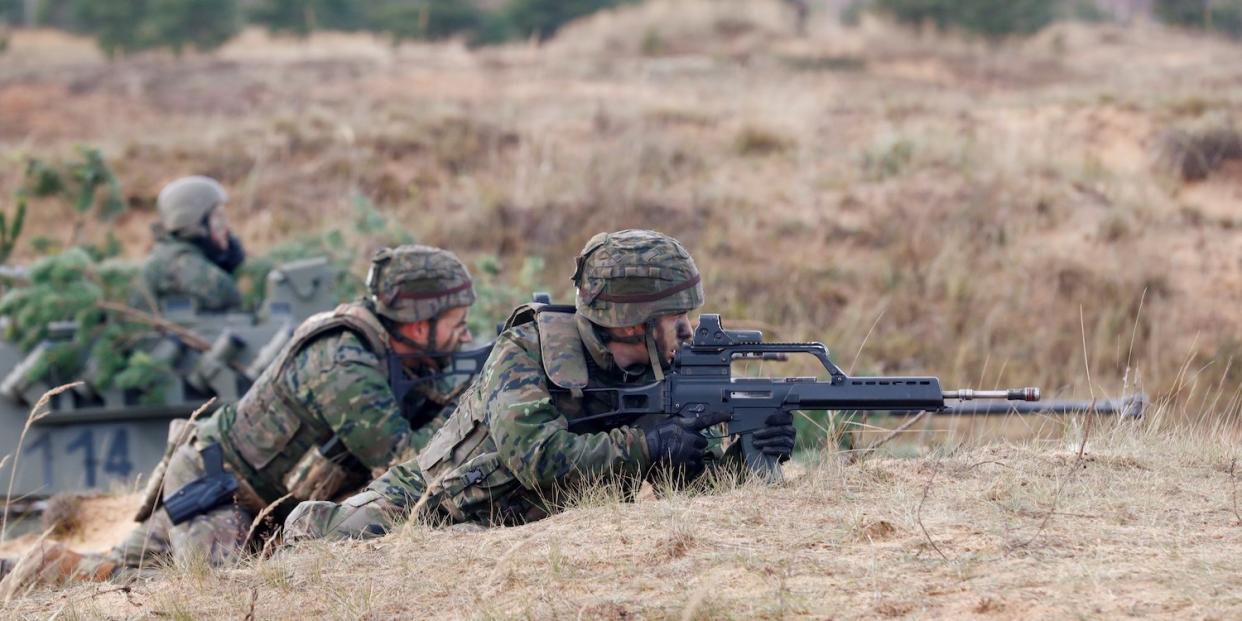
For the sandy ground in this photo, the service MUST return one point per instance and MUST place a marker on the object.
(108, 520)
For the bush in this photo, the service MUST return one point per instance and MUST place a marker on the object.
(424, 19)
(542, 18)
(989, 18)
(1223, 16)
(300, 17)
(1193, 154)
(124, 27)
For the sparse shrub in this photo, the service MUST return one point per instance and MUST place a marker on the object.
(888, 160)
(758, 142)
(1223, 16)
(62, 516)
(984, 17)
(495, 298)
(1193, 154)
(87, 184)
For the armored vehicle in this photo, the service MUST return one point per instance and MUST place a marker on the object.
(102, 440)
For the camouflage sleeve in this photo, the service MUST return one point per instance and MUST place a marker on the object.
(344, 383)
(372, 512)
(533, 438)
(196, 277)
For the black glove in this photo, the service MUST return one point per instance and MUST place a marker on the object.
(776, 439)
(678, 441)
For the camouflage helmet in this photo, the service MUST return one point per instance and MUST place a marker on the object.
(185, 203)
(628, 277)
(416, 283)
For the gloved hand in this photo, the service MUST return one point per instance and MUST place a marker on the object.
(678, 440)
(776, 439)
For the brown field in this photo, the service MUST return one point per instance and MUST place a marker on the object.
(1013, 214)
(968, 210)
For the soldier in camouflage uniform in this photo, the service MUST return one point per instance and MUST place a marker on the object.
(315, 425)
(195, 253)
(507, 454)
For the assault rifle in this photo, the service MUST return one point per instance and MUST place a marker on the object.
(701, 381)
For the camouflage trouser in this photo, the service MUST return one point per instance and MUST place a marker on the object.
(217, 536)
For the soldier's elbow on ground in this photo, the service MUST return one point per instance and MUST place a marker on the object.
(362, 516)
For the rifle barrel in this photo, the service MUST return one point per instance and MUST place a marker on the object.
(1012, 394)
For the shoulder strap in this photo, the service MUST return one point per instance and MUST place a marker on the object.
(560, 347)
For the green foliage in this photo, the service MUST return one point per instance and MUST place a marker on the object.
(423, 19)
(68, 288)
(301, 17)
(146, 375)
(133, 25)
(81, 182)
(9, 231)
(370, 228)
(497, 293)
(87, 185)
(542, 18)
(984, 17)
(1223, 16)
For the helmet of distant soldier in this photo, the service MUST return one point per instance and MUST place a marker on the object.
(184, 205)
(416, 283)
(630, 277)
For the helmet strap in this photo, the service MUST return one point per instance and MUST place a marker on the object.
(654, 356)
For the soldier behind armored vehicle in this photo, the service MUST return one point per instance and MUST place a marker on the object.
(196, 254)
(316, 423)
(508, 451)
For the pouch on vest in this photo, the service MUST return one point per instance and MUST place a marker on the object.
(478, 489)
(316, 476)
(214, 489)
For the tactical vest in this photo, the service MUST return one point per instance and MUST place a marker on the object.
(269, 418)
(463, 471)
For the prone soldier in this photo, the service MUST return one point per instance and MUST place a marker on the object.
(507, 453)
(314, 425)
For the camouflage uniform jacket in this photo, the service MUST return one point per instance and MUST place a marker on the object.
(507, 452)
(178, 268)
(331, 380)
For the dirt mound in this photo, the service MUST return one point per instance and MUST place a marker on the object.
(102, 522)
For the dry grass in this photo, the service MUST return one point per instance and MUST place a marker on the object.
(1135, 521)
(973, 197)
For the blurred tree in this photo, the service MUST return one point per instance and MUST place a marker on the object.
(1224, 16)
(542, 18)
(203, 24)
(123, 27)
(301, 17)
(989, 18)
(423, 19)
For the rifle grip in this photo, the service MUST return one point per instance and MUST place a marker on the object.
(760, 464)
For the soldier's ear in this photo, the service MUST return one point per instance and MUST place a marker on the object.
(417, 331)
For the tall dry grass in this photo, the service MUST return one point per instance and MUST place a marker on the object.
(1110, 519)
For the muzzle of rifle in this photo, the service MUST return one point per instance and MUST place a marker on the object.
(1012, 394)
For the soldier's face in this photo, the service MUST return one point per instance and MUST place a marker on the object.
(671, 332)
(218, 227)
(451, 329)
